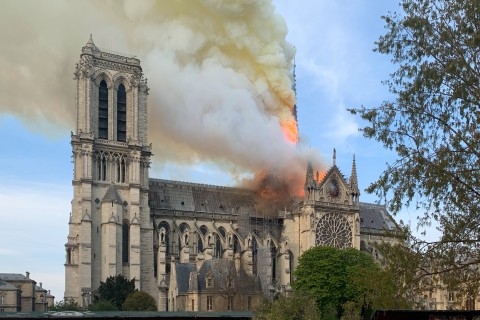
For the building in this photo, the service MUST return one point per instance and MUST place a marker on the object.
(19, 292)
(185, 243)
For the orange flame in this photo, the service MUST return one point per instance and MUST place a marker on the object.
(290, 130)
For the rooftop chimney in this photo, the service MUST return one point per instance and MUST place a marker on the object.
(27, 274)
(41, 285)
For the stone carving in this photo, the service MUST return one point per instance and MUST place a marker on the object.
(333, 230)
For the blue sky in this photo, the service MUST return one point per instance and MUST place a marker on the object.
(336, 69)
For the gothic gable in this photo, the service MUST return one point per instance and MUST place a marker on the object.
(334, 187)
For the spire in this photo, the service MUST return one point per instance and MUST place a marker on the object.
(354, 179)
(90, 42)
(335, 157)
(309, 180)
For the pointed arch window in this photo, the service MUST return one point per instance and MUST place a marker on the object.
(121, 170)
(103, 110)
(121, 113)
(218, 247)
(102, 168)
(199, 245)
(254, 256)
(273, 255)
(236, 245)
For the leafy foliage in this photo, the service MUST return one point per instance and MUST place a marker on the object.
(66, 305)
(102, 305)
(337, 278)
(432, 125)
(299, 306)
(140, 301)
(115, 289)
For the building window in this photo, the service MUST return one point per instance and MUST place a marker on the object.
(249, 303)
(122, 171)
(451, 296)
(209, 282)
(230, 303)
(2, 310)
(102, 168)
(103, 110)
(273, 256)
(218, 247)
(125, 236)
(254, 256)
(193, 305)
(470, 304)
(121, 113)
(209, 303)
(2, 299)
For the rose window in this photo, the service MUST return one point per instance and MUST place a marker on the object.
(333, 230)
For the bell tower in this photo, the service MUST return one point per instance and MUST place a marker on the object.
(110, 231)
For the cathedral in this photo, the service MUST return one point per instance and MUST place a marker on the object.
(193, 247)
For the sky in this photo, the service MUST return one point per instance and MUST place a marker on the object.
(336, 69)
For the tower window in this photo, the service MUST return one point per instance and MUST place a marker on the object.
(102, 168)
(103, 110)
(122, 171)
(121, 113)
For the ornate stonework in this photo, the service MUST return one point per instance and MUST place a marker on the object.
(168, 234)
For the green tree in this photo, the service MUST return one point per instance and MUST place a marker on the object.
(343, 277)
(140, 301)
(431, 123)
(102, 305)
(301, 306)
(115, 289)
(66, 305)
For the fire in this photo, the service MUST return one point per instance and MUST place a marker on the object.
(290, 130)
(279, 188)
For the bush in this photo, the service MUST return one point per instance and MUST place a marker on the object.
(140, 301)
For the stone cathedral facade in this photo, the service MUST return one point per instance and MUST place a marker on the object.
(193, 247)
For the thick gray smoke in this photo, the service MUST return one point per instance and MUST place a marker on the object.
(219, 74)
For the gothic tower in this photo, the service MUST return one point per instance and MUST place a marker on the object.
(110, 230)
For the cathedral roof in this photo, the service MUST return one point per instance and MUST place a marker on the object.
(376, 217)
(202, 198)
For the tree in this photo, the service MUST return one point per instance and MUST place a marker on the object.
(343, 277)
(432, 125)
(102, 305)
(66, 305)
(115, 289)
(301, 306)
(140, 301)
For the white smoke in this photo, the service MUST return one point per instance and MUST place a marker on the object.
(219, 73)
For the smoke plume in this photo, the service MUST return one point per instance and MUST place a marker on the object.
(219, 72)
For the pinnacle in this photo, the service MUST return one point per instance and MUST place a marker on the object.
(90, 42)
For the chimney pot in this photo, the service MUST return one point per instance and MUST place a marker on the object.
(27, 274)
(41, 285)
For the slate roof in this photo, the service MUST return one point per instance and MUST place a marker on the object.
(5, 286)
(182, 271)
(202, 198)
(375, 216)
(38, 288)
(14, 277)
(221, 269)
